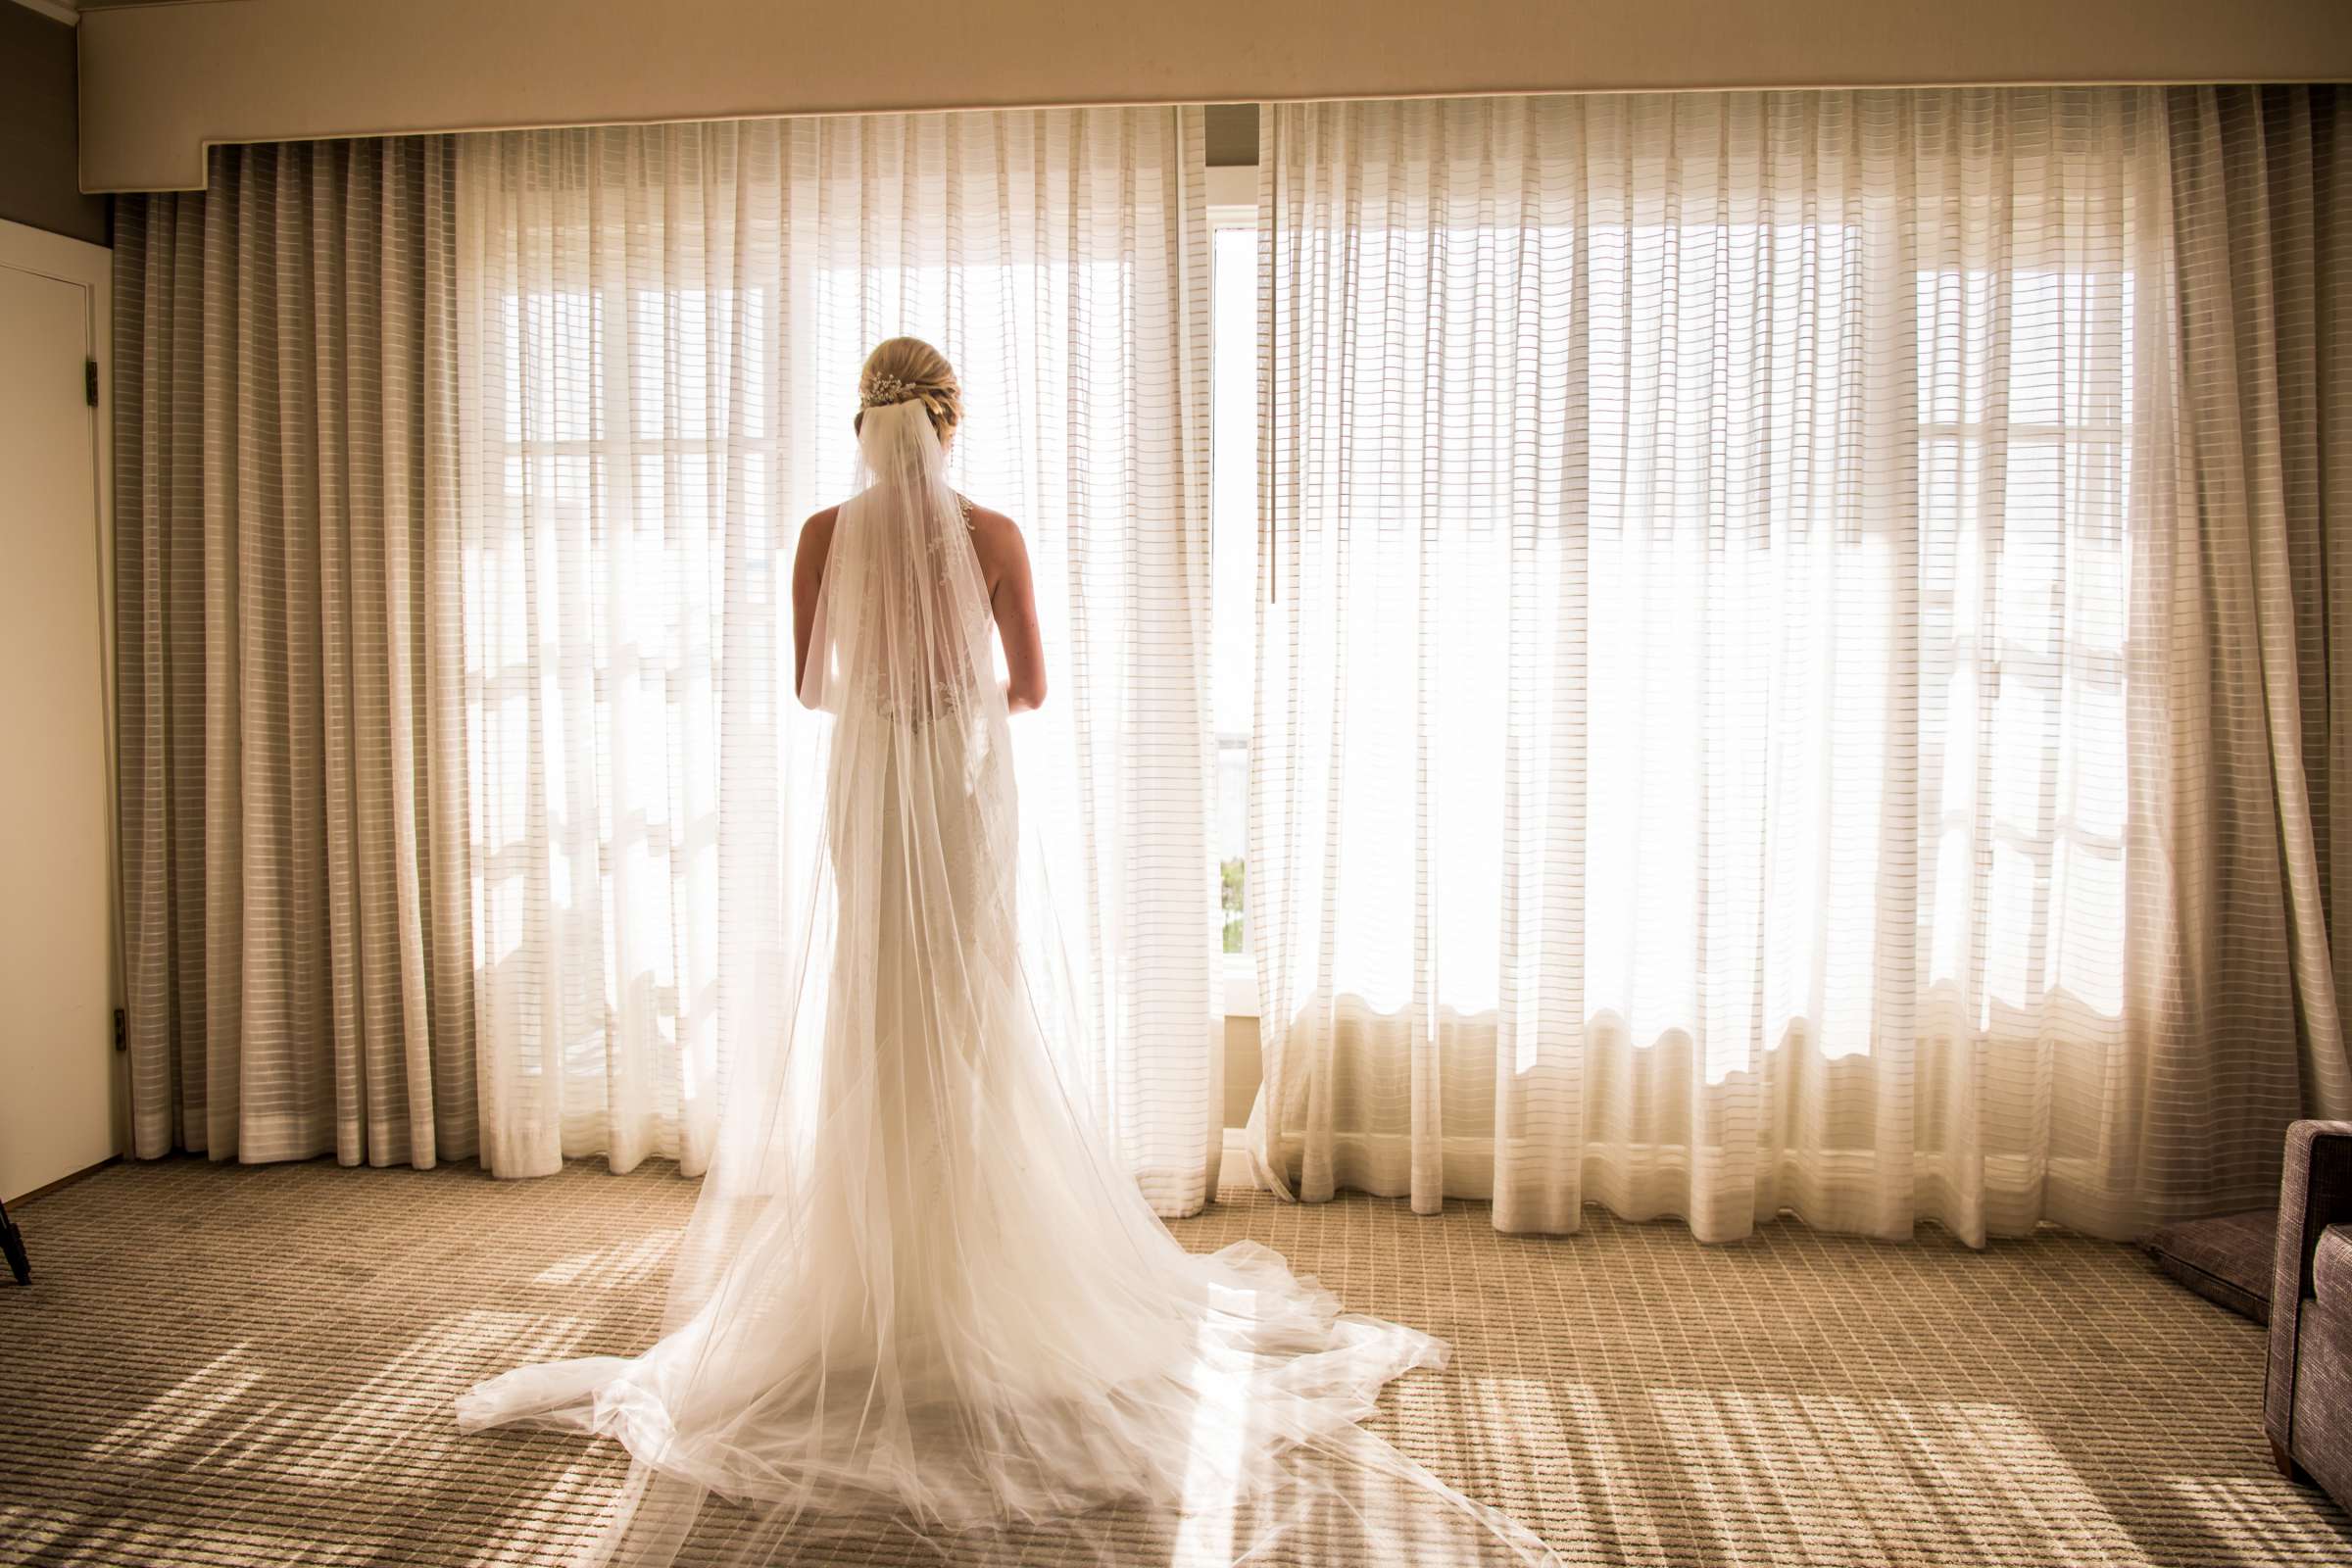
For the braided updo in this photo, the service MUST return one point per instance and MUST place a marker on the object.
(907, 369)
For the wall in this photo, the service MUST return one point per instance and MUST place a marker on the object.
(40, 181)
(160, 81)
(1231, 133)
(1243, 1070)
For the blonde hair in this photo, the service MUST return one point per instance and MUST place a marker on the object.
(907, 369)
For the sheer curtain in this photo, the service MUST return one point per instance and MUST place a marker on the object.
(1715, 695)
(297, 964)
(664, 328)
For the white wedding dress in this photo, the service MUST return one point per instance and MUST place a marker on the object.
(920, 1308)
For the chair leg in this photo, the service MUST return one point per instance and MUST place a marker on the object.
(12, 1242)
(2286, 1462)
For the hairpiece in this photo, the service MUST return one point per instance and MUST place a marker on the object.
(883, 390)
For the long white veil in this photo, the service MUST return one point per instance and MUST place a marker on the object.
(919, 1301)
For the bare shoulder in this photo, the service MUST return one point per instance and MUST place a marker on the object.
(996, 536)
(816, 534)
(816, 547)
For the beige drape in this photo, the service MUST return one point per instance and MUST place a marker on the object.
(298, 957)
(2256, 772)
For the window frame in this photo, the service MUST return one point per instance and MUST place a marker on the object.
(1232, 203)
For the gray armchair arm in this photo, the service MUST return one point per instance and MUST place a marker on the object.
(2315, 1191)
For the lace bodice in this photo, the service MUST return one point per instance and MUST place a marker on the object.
(948, 693)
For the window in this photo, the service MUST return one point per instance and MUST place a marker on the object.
(1906, 678)
(2022, 401)
(1233, 525)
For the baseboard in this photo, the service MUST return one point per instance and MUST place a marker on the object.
(1234, 1169)
(92, 1170)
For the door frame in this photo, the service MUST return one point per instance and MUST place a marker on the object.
(91, 269)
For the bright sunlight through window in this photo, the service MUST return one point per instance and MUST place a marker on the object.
(1233, 519)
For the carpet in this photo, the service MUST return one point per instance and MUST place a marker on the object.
(227, 1365)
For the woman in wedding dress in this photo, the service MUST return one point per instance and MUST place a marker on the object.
(919, 1303)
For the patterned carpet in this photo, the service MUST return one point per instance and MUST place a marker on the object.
(226, 1365)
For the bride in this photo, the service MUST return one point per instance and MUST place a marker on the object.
(919, 1303)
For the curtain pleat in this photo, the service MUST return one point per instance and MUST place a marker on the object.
(1757, 708)
(297, 959)
(664, 328)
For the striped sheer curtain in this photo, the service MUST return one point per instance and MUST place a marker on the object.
(662, 328)
(1716, 729)
(297, 961)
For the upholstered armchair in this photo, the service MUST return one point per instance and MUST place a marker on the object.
(2308, 1406)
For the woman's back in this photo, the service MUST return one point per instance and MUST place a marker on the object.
(952, 626)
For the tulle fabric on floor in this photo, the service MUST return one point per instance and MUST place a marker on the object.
(919, 1303)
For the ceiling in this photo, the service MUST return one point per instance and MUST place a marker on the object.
(70, 10)
(161, 81)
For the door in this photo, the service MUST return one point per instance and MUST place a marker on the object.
(57, 1055)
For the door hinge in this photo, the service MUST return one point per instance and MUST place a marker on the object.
(121, 1031)
(89, 381)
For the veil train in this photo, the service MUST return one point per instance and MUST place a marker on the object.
(918, 1299)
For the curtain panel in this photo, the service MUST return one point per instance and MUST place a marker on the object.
(298, 959)
(2261, 178)
(1758, 706)
(662, 328)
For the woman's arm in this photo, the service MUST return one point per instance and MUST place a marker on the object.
(1012, 599)
(807, 582)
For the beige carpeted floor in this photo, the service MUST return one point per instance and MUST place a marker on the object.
(229, 1365)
